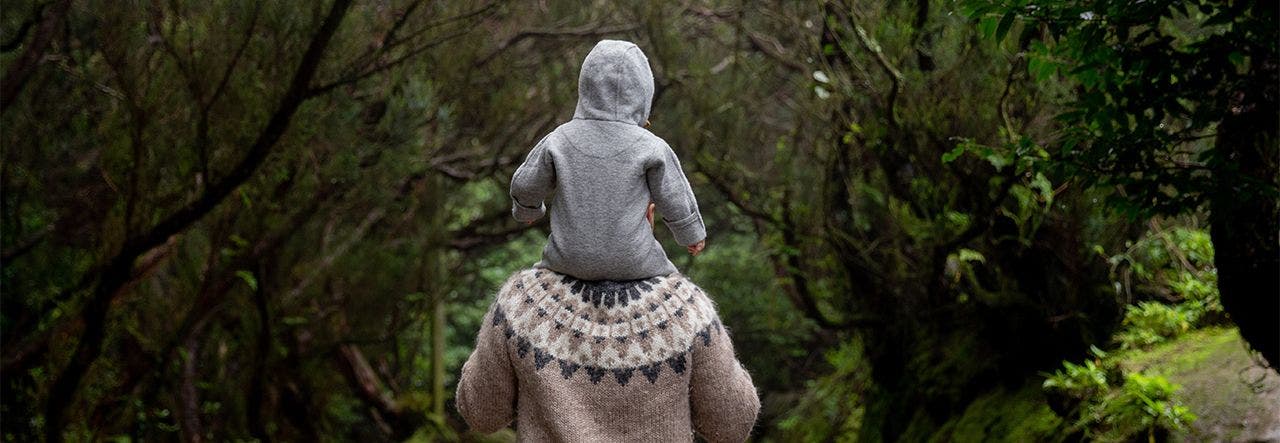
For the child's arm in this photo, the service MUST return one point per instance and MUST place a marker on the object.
(487, 389)
(722, 397)
(532, 183)
(674, 197)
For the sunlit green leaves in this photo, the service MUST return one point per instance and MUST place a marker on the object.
(248, 279)
(1151, 76)
(1106, 403)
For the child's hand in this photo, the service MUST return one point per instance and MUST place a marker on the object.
(696, 248)
(648, 214)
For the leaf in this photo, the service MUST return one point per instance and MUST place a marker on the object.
(997, 160)
(987, 26)
(1236, 58)
(244, 198)
(953, 154)
(1042, 184)
(1040, 67)
(1006, 22)
(969, 255)
(248, 278)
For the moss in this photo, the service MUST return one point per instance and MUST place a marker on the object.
(1004, 415)
(1233, 398)
(1183, 354)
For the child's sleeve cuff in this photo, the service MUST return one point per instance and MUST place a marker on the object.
(688, 230)
(526, 214)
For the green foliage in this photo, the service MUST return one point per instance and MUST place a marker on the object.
(1174, 267)
(1108, 403)
(1082, 381)
(1173, 113)
(1153, 80)
(1148, 323)
(1144, 404)
(1104, 403)
(890, 230)
(829, 408)
(1002, 415)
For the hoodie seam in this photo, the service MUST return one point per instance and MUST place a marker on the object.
(637, 82)
(606, 120)
(617, 86)
(587, 153)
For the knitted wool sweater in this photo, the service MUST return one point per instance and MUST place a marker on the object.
(576, 360)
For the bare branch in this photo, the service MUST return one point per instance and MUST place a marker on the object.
(582, 31)
(235, 59)
(27, 245)
(895, 76)
(351, 79)
(23, 29)
(774, 49)
(322, 267)
(20, 70)
(397, 420)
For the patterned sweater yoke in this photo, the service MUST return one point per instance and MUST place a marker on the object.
(576, 360)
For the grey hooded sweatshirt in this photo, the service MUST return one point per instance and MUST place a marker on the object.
(603, 169)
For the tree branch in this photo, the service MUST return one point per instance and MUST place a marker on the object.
(370, 389)
(774, 50)
(895, 76)
(582, 31)
(23, 29)
(67, 382)
(15, 78)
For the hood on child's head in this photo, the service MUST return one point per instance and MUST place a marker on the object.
(615, 84)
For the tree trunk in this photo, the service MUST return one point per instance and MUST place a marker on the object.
(1245, 216)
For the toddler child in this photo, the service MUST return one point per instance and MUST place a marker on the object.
(604, 169)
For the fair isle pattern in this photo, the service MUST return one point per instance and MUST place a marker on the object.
(601, 328)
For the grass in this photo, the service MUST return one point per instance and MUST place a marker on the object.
(1220, 383)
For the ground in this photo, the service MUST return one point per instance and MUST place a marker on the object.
(1233, 398)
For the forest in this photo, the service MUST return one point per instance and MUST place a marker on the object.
(927, 220)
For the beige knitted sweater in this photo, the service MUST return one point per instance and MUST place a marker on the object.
(574, 360)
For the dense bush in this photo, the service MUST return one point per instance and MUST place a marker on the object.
(1101, 402)
(1172, 272)
(1149, 322)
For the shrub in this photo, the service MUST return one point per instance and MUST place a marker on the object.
(1148, 323)
(1144, 405)
(1101, 403)
(1173, 270)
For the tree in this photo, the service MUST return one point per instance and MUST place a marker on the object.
(236, 218)
(1175, 108)
(837, 147)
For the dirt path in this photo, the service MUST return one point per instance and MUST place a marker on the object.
(1233, 398)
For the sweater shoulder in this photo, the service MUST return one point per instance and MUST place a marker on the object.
(517, 284)
(606, 325)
